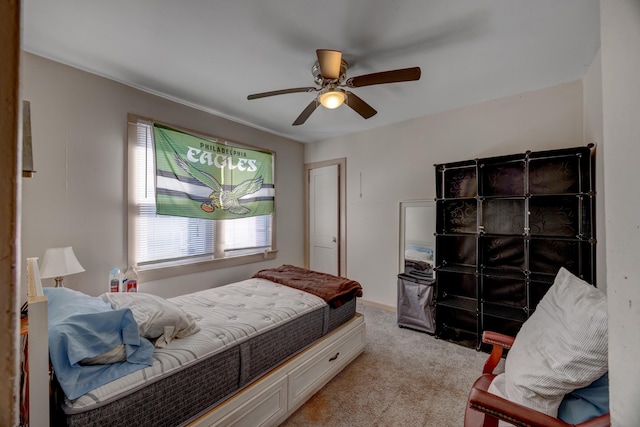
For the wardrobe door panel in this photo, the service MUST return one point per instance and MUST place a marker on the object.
(504, 291)
(459, 182)
(548, 255)
(457, 216)
(502, 253)
(456, 250)
(502, 177)
(558, 216)
(503, 216)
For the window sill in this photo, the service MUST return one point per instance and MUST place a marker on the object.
(148, 274)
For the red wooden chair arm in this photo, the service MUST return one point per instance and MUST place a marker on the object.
(495, 338)
(519, 415)
(485, 409)
(499, 342)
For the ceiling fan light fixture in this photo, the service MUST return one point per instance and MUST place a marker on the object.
(332, 98)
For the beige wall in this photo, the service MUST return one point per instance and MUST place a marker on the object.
(620, 35)
(78, 195)
(395, 163)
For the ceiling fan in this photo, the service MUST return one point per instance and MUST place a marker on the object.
(330, 74)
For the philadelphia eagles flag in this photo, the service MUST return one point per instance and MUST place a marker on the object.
(200, 178)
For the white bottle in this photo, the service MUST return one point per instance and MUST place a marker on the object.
(130, 280)
(115, 278)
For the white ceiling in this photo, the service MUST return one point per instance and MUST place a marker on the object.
(212, 54)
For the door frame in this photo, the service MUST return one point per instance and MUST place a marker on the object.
(342, 210)
(10, 192)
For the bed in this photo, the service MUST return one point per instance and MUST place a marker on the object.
(250, 353)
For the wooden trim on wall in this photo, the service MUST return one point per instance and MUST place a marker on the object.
(10, 165)
(342, 219)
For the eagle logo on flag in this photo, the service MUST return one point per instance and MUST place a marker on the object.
(227, 200)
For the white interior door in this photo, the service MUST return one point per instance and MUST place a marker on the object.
(324, 219)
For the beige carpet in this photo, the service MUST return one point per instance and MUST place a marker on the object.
(403, 378)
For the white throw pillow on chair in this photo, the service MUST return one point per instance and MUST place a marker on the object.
(560, 348)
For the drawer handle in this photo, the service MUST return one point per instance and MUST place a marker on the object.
(334, 357)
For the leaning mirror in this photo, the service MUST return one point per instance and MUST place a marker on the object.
(417, 238)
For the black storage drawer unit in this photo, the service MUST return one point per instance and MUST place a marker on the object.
(416, 307)
(505, 225)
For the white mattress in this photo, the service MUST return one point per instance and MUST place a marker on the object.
(227, 315)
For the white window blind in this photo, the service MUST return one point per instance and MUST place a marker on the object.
(167, 240)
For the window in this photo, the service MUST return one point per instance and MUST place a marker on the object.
(164, 245)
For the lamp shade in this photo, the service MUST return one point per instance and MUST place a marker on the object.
(59, 262)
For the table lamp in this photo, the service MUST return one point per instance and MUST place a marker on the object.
(59, 262)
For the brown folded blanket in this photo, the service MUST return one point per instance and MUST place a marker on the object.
(333, 289)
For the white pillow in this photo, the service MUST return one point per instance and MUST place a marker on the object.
(115, 355)
(560, 348)
(157, 318)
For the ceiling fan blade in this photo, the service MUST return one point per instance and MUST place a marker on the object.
(329, 61)
(306, 113)
(359, 106)
(282, 92)
(393, 76)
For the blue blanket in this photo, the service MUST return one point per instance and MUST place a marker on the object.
(586, 403)
(80, 327)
